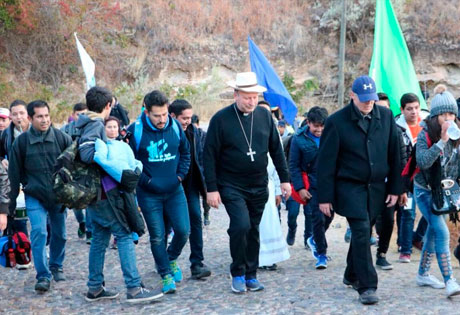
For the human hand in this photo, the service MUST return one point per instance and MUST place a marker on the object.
(286, 190)
(444, 127)
(391, 200)
(278, 200)
(213, 199)
(3, 221)
(304, 194)
(326, 208)
(5, 163)
(402, 200)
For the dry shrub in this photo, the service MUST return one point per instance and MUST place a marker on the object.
(181, 24)
(43, 48)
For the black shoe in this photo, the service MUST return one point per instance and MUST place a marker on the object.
(382, 262)
(290, 238)
(42, 285)
(81, 230)
(368, 297)
(58, 274)
(103, 294)
(140, 294)
(353, 284)
(89, 237)
(206, 219)
(272, 267)
(199, 272)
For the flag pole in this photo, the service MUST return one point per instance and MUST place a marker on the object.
(343, 29)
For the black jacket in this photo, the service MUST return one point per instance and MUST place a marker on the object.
(6, 141)
(195, 175)
(358, 169)
(31, 164)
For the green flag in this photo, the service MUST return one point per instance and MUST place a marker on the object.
(391, 65)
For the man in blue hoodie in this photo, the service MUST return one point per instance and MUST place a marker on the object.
(303, 156)
(159, 142)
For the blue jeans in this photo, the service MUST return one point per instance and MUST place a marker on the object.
(105, 224)
(293, 211)
(174, 207)
(38, 217)
(196, 227)
(84, 218)
(406, 227)
(436, 237)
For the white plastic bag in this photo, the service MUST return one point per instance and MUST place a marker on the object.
(273, 247)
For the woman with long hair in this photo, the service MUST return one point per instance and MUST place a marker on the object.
(438, 158)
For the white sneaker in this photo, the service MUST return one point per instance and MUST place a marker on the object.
(452, 287)
(23, 267)
(429, 280)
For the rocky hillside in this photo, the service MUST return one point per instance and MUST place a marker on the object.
(189, 48)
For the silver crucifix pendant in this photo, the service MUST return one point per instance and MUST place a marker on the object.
(251, 153)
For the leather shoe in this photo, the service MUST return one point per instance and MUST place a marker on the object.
(368, 297)
(353, 284)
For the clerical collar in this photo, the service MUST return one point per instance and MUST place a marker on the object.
(241, 112)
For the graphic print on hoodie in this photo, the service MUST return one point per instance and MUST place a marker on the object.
(164, 153)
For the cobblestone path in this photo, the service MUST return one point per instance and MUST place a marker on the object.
(296, 287)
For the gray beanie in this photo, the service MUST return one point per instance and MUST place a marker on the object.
(443, 102)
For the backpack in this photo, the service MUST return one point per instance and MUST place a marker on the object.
(76, 184)
(15, 249)
(411, 169)
(139, 128)
(7, 256)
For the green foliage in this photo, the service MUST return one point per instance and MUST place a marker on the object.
(167, 89)
(44, 94)
(298, 93)
(6, 16)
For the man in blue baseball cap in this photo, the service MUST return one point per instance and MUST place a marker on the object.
(358, 175)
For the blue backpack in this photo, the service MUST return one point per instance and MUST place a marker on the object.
(139, 128)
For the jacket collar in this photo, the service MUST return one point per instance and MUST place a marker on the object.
(356, 116)
(36, 136)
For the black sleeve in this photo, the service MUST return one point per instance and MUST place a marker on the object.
(211, 154)
(327, 160)
(394, 184)
(277, 153)
(3, 153)
(15, 170)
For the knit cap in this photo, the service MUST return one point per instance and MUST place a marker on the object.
(443, 102)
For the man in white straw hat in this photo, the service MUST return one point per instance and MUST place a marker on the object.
(235, 161)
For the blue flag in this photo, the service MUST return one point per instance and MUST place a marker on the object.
(277, 94)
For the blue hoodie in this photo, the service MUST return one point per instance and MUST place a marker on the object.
(164, 153)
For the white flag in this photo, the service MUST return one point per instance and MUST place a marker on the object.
(87, 64)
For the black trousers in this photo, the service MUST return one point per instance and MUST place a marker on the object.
(245, 208)
(359, 259)
(320, 224)
(384, 227)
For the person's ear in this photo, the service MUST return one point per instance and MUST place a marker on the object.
(29, 118)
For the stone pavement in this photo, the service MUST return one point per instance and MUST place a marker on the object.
(295, 288)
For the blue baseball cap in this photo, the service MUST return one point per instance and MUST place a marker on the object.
(364, 87)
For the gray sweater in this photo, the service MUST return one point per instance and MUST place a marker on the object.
(427, 156)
